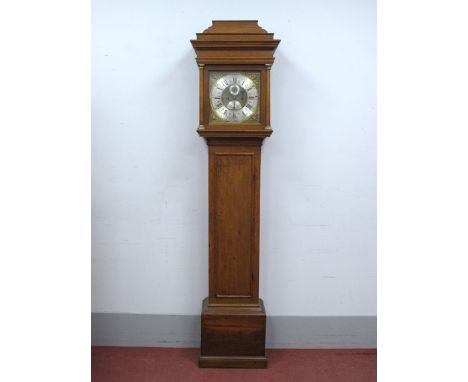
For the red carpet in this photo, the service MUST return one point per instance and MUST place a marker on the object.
(128, 364)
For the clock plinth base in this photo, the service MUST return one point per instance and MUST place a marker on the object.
(233, 336)
(233, 362)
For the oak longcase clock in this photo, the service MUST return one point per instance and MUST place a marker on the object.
(234, 59)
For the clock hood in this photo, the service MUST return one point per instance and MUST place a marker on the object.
(246, 41)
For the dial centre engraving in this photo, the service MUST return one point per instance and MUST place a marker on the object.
(234, 97)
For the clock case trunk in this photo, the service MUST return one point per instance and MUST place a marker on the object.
(233, 319)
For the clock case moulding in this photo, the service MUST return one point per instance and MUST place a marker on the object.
(233, 320)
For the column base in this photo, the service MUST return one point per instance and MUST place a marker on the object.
(233, 336)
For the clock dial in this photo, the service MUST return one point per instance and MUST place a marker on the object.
(234, 97)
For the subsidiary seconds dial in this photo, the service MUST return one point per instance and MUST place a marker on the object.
(234, 97)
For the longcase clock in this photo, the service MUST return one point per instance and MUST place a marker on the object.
(234, 59)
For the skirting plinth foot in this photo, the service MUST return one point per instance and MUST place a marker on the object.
(233, 336)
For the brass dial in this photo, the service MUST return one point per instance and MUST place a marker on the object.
(234, 97)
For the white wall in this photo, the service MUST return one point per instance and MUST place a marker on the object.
(149, 185)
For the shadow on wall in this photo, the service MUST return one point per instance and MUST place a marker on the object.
(177, 117)
(150, 204)
(176, 92)
(292, 93)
